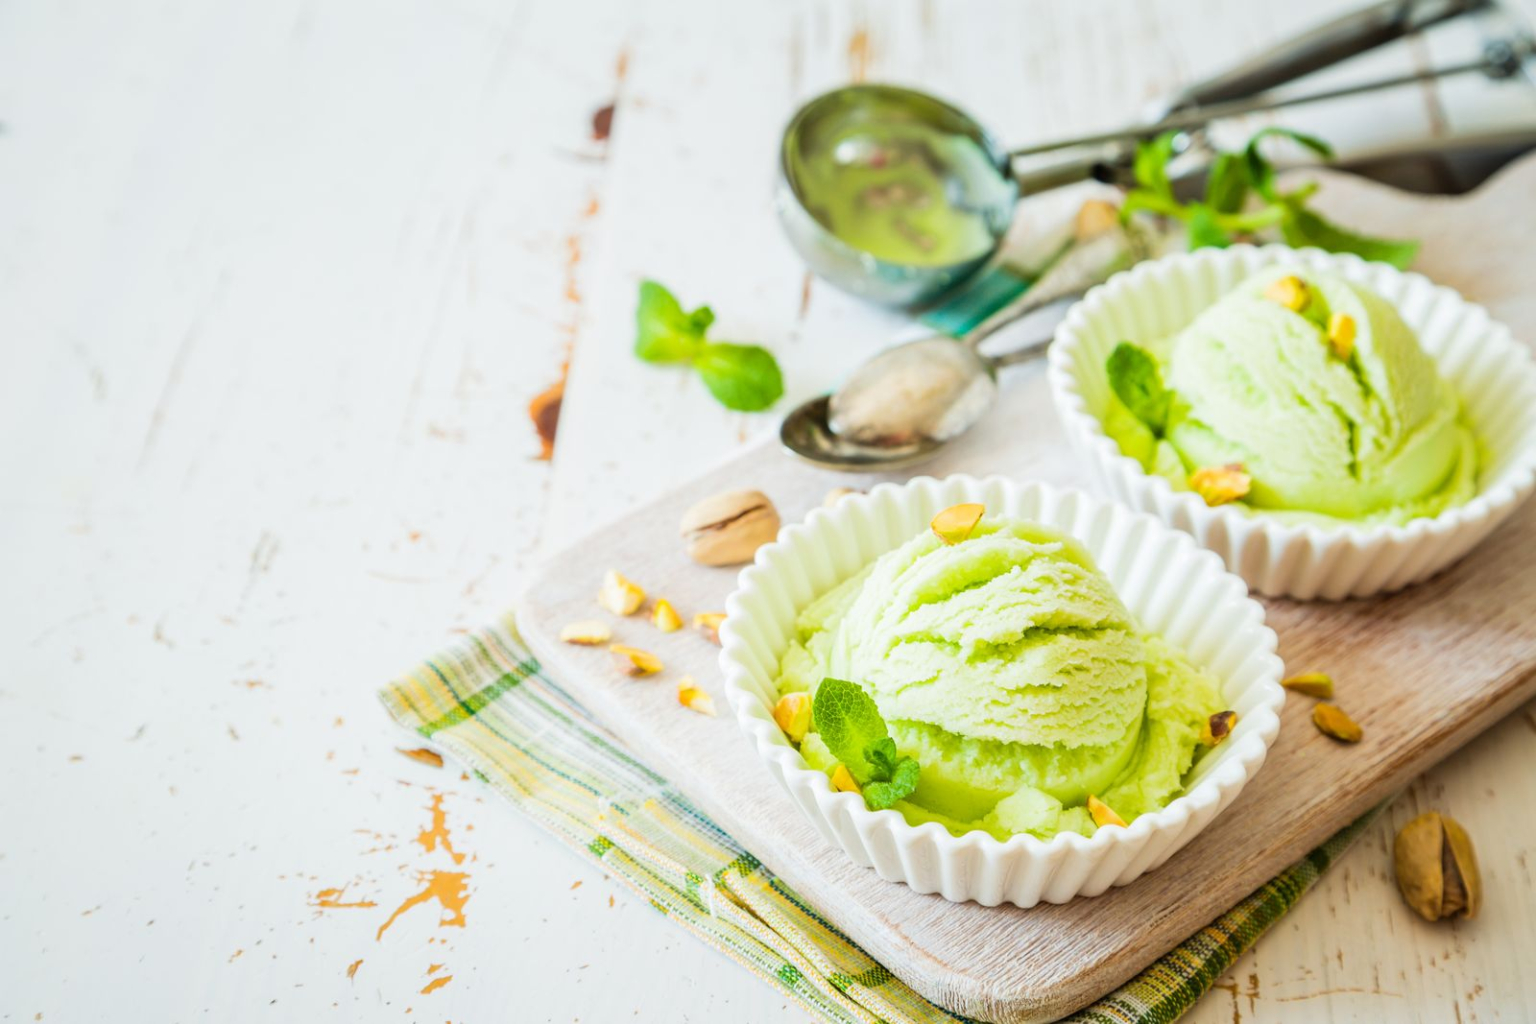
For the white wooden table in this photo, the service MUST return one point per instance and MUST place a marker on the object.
(277, 282)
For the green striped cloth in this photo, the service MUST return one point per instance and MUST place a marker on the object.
(487, 702)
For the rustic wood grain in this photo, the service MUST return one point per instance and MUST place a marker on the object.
(1423, 671)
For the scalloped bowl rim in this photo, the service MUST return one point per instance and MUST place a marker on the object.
(1239, 765)
(1513, 484)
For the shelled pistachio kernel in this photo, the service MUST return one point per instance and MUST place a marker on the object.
(665, 617)
(1289, 291)
(619, 594)
(1331, 720)
(843, 780)
(587, 633)
(1313, 684)
(1341, 334)
(1102, 813)
(708, 623)
(955, 523)
(1218, 485)
(793, 714)
(1217, 728)
(694, 699)
(632, 661)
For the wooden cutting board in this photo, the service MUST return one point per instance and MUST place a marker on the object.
(1423, 671)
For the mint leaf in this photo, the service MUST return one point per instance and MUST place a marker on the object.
(663, 332)
(1261, 173)
(882, 757)
(743, 377)
(880, 795)
(1204, 231)
(1226, 183)
(892, 777)
(1302, 227)
(1138, 383)
(1151, 163)
(853, 730)
(849, 723)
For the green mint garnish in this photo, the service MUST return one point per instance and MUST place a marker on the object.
(1303, 227)
(853, 730)
(1138, 383)
(1226, 214)
(742, 377)
(745, 378)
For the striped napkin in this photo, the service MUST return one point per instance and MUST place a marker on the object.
(488, 703)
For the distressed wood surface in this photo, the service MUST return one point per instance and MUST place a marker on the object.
(1424, 672)
(277, 282)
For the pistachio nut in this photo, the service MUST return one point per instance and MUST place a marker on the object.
(727, 529)
(1436, 868)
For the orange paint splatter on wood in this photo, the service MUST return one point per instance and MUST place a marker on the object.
(236, 955)
(858, 55)
(435, 984)
(436, 834)
(331, 899)
(448, 888)
(423, 755)
(352, 968)
(434, 968)
(576, 884)
(602, 123)
(544, 411)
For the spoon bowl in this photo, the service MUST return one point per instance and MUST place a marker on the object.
(805, 434)
(891, 194)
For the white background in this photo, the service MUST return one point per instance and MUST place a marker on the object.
(277, 281)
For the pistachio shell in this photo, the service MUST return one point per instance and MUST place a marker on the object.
(728, 528)
(1436, 868)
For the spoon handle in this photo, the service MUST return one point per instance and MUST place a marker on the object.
(1084, 265)
(1023, 354)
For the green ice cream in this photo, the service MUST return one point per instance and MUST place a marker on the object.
(1008, 667)
(1373, 438)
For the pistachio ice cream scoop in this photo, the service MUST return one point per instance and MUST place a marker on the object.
(1314, 389)
(1007, 666)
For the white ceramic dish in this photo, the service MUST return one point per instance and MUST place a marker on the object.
(1169, 585)
(1493, 374)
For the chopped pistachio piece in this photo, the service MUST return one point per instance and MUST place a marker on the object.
(843, 780)
(1313, 684)
(632, 661)
(693, 698)
(955, 523)
(588, 633)
(1331, 720)
(1221, 484)
(1288, 291)
(665, 617)
(1341, 334)
(1217, 728)
(1102, 813)
(793, 714)
(708, 623)
(620, 595)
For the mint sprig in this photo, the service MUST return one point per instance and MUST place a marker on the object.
(1242, 198)
(745, 378)
(852, 728)
(1135, 379)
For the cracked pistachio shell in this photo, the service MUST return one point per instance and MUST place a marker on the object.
(1436, 868)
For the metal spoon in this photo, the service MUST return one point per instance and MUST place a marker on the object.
(903, 405)
(878, 154)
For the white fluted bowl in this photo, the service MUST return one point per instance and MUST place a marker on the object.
(1492, 373)
(1169, 585)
